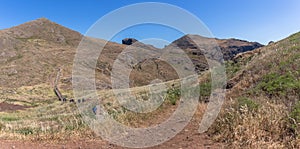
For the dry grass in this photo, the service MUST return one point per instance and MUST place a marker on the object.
(265, 127)
(260, 120)
(49, 119)
(269, 81)
(46, 118)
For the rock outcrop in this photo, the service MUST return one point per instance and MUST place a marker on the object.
(129, 41)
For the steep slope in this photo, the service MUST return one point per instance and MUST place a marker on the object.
(32, 51)
(31, 54)
(44, 29)
(261, 110)
(263, 95)
(229, 47)
(196, 47)
(281, 58)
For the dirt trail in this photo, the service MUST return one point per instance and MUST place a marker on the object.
(10, 107)
(186, 139)
(181, 141)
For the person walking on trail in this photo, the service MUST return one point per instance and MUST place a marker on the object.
(95, 110)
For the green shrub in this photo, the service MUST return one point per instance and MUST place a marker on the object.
(232, 68)
(276, 84)
(205, 91)
(70, 127)
(251, 105)
(9, 119)
(25, 131)
(114, 113)
(173, 95)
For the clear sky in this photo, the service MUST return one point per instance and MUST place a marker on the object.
(253, 20)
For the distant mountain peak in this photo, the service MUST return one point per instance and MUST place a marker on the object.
(43, 19)
(45, 29)
(229, 47)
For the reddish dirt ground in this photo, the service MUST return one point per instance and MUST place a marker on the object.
(181, 141)
(10, 107)
(189, 138)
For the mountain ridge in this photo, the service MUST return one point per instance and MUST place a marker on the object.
(32, 52)
(261, 107)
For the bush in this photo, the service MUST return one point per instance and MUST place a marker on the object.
(25, 131)
(250, 104)
(9, 119)
(232, 67)
(205, 91)
(276, 84)
(173, 95)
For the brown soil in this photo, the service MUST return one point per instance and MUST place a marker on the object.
(10, 107)
(182, 140)
(188, 138)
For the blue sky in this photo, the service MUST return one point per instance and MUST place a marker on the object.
(253, 20)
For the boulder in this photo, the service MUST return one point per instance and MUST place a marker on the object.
(129, 41)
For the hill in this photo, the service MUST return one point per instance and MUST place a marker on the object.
(263, 107)
(229, 47)
(31, 54)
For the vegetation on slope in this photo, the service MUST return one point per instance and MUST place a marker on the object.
(262, 107)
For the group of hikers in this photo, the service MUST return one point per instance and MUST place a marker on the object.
(73, 100)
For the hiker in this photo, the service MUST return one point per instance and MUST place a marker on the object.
(94, 110)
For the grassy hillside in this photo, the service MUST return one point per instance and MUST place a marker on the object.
(262, 107)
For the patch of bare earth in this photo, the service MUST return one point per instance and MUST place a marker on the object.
(10, 107)
(188, 138)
